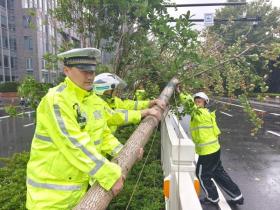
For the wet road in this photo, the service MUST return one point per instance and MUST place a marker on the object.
(16, 133)
(253, 162)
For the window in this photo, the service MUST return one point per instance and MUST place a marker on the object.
(12, 27)
(10, 4)
(6, 61)
(13, 62)
(3, 21)
(26, 21)
(29, 72)
(13, 44)
(45, 77)
(3, 3)
(28, 45)
(29, 64)
(5, 42)
(12, 18)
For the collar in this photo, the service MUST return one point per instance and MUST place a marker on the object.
(80, 93)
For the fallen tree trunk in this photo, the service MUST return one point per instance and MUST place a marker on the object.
(98, 198)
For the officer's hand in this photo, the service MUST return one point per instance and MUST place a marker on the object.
(155, 112)
(140, 154)
(118, 185)
(158, 102)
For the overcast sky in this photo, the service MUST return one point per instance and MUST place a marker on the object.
(198, 12)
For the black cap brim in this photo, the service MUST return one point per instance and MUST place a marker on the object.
(85, 67)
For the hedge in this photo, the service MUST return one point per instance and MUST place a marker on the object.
(9, 87)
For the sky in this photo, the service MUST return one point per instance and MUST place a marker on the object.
(198, 12)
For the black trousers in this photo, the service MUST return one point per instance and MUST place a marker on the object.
(210, 166)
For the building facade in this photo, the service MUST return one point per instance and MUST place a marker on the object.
(27, 33)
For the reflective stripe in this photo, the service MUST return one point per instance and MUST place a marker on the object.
(208, 143)
(200, 127)
(43, 138)
(125, 114)
(201, 181)
(204, 188)
(61, 88)
(97, 142)
(116, 150)
(97, 115)
(135, 105)
(237, 198)
(231, 194)
(74, 141)
(109, 110)
(54, 186)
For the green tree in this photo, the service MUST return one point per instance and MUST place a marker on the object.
(264, 31)
(120, 23)
(264, 34)
(32, 91)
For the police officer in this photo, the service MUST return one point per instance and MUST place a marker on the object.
(122, 112)
(106, 84)
(71, 139)
(205, 132)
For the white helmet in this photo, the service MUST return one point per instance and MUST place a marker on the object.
(202, 95)
(107, 81)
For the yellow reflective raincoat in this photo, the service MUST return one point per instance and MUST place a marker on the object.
(203, 127)
(68, 148)
(117, 103)
(119, 117)
(123, 112)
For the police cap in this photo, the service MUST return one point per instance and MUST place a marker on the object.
(82, 58)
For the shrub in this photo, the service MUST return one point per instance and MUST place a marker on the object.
(9, 87)
(12, 182)
(11, 110)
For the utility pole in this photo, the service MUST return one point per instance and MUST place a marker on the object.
(97, 198)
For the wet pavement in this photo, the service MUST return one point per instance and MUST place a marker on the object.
(16, 133)
(253, 162)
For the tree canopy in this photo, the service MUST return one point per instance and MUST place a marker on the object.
(231, 59)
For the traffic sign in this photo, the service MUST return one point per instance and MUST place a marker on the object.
(209, 19)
